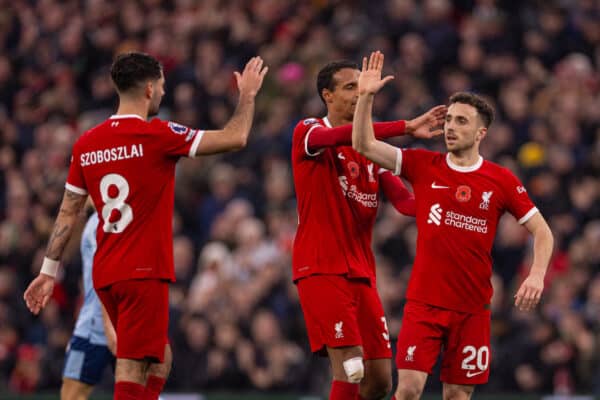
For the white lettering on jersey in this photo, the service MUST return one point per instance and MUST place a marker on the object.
(112, 154)
(366, 199)
(457, 220)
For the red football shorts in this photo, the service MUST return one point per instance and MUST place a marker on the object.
(139, 311)
(343, 312)
(463, 339)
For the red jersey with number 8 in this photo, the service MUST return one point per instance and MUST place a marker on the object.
(127, 165)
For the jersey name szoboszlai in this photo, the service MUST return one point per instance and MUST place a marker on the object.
(113, 154)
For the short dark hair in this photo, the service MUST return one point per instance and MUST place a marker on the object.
(484, 109)
(129, 70)
(325, 77)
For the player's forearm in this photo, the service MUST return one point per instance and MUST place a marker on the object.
(363, 135)
(67, 218)
(238, 127)
(543, 244)
(321, 137)
(397, 194)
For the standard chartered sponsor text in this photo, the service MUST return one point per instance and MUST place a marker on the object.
(111, 154)
(466, 222)
(366, 199)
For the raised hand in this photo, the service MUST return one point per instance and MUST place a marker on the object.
(428, 125)
(38, 293)
(529, 294)
(250, 80)
(369, 80)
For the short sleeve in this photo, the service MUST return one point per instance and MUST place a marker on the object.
(301, 135)
(518, 202)
(75, 179)
(179, 140)
(407, 163)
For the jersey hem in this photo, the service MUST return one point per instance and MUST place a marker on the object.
(196, 143)
(528, 216)
(75, 189)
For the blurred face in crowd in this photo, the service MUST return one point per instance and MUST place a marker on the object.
(155, 90)
(463, 129)
(342, 99)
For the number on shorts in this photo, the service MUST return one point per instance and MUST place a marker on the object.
(116, 213)
(481, 357)
(386, 333)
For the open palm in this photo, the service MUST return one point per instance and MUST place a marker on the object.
(428, 125)
(369, 80)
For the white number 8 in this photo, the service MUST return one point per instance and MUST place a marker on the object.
(115, 203)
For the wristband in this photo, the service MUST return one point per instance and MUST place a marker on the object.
(50, 267)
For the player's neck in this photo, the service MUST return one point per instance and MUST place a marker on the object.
(465, 158)
(337, 120)
(128, 108)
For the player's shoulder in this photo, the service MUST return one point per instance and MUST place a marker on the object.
(497, 169)
(92, 133)
(424, 154)
(305, 124)
(161, 126)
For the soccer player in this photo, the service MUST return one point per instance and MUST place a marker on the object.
(459, 197)
(92, 345)
(127, 165)
(333, 264)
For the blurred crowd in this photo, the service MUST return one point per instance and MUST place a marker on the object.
(235, 319)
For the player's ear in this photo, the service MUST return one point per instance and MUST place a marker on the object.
(149, 89)
(327, 95)
(481, 132)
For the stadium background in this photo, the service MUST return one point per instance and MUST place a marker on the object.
(236, 325)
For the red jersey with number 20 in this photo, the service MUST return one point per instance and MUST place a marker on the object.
(338, 194)
(127, 165)
(458, 209)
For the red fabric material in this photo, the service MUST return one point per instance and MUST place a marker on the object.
(397, 194)
(139, 311)
(341, 390)
(129, 391)
(154, 386)
(342, 135)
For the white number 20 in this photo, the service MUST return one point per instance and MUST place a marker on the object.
(482, 356)
(117, 202)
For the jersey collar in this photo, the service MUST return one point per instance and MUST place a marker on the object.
(121, 116)
(459, 168)
(326, 121)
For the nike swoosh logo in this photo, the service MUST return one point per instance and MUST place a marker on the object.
(341, 156)
(472, 374)
(434, 186)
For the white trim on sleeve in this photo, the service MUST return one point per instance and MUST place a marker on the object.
(195, 144)
(398, 168)
(527, 216)
(308, 153)
(75, 189)
(382, 170)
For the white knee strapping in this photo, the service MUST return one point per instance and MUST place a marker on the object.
(354, 369)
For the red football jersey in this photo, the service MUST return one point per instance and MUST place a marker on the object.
(127, 165)
(337, 191)
(458, 209)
